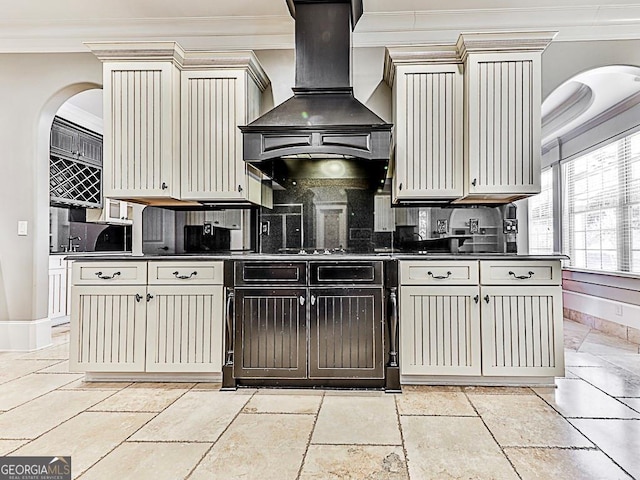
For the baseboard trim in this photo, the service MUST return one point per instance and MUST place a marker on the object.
(152, 377)
(470, 381)
(25, 336)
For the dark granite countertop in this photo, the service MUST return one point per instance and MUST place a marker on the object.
(316, 257)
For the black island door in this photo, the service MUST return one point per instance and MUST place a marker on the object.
(270, 333)
(346, 333)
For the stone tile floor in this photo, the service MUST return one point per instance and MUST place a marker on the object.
(586, 428)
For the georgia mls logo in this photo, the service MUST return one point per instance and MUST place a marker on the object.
(35, 468)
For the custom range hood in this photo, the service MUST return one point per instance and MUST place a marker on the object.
(323, 121)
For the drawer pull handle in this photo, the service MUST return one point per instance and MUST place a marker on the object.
(149, 297)
(439, 277)
(183, 277)
(107, 277)
(476, 298)
(486, 298)
(138, 297)
(522, 277)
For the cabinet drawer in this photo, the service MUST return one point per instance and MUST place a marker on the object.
(436, 272)
(504, 272)
(182, 273)
(109, 273)
(257, 273)
(352, 273)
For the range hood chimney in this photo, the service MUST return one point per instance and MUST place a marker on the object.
(323, 120)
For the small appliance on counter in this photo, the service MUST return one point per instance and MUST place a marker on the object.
(206, 239)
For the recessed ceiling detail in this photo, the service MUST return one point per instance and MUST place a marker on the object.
(587, 100)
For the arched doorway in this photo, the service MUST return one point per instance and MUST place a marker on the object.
(75, 180)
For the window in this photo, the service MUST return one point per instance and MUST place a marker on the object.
(541, 217)
(601, 208)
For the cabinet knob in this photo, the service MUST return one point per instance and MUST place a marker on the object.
(149, 297)
(301, 298)
(240, 188)
(164, 186)
(400, 186)
(138, 297)
(474, 181)
(476, 298)
(486, 298)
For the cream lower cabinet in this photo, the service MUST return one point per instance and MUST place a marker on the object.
(107, 328)
(520, 332)
(58, 287)
(489, 318)
(184, 317)
(440, 330)
(169, 321)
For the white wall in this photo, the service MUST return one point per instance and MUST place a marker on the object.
(32, 88)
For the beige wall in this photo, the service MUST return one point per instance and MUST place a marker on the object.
(32, 87)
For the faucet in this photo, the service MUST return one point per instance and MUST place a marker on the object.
(71, 246)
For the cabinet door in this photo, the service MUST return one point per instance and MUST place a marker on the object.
(140, 129)
(383, 215)
(504, 124)
(184, 328)
(345, 333)
(440, 330)
(214, 104)
(90, 148)
(522, 331)
(57, 286)
(107, 328)
(428, 131)
(64, 140)
(270, 333)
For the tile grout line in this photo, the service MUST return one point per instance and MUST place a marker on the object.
(31, 440)
(313, 429)
(493, 436)
(39, 396)
(567, 419)
(38, 371)
(204, 455)
(403, 444)
(134, 432)
(598, 388)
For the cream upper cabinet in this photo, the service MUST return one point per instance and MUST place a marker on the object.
(427, 88)
(220, 91)
(141, 119)
(502, 89)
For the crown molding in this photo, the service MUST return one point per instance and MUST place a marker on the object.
(417, 55)
(502, 42)
(243, 59)
(138, 51)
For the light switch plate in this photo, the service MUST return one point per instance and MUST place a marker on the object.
(22, 227)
